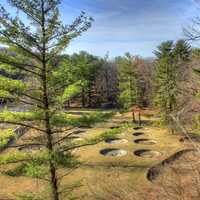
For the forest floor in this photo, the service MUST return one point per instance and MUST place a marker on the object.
(109, 177)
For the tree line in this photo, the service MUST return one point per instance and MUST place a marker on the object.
(164, 81)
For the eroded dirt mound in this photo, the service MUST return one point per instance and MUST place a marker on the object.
(181, 160)
(177, 177)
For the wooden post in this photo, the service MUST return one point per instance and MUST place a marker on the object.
(133, 116)
(137, 109)
(139, 120)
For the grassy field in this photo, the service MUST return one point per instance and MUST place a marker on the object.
(101, 174)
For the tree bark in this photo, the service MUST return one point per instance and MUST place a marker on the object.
(107, 85)
(90, 97)
(68, 103)
(54, 181)
(131, 89)
(83, 97)
(133, 115)
(139, 119)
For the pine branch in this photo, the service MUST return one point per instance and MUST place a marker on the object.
(31, 16)
(81, 145)
(26, 145)
(82, 22)
(31, 104)
(20, 46)
(22, 124)
(61, 130)
(66, 174)
(28, 96)
(57, 89)
(67, 136)
(19, 66)
(27, 12)
(16, 161)
(22, 30)
(44, 179)
(31, 97)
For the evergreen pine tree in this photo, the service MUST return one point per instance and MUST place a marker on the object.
(170, 66)
(85, 67)
(129, 81)
(35, 48)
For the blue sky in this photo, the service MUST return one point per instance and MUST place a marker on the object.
(135, 26)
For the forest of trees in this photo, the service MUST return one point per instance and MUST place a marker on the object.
(127, 80)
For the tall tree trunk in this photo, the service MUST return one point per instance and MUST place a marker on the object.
(107, 85)
(133, 115)
(90, 97)
(139, 119)
(54, 181)
(131, 89)
(83, 97)
(68, 104)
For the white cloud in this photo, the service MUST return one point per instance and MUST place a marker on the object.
(132, 26)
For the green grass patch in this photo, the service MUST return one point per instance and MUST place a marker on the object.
(5, 137)
(87, 120)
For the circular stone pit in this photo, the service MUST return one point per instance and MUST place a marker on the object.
(138, 134)
(145, 141)
(113, 152)
(116, 141)
(147, 153)
(113, 127)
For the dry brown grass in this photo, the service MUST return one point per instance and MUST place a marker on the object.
(179, 180)
(102, 175)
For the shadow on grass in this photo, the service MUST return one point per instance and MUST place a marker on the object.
(111, 166)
